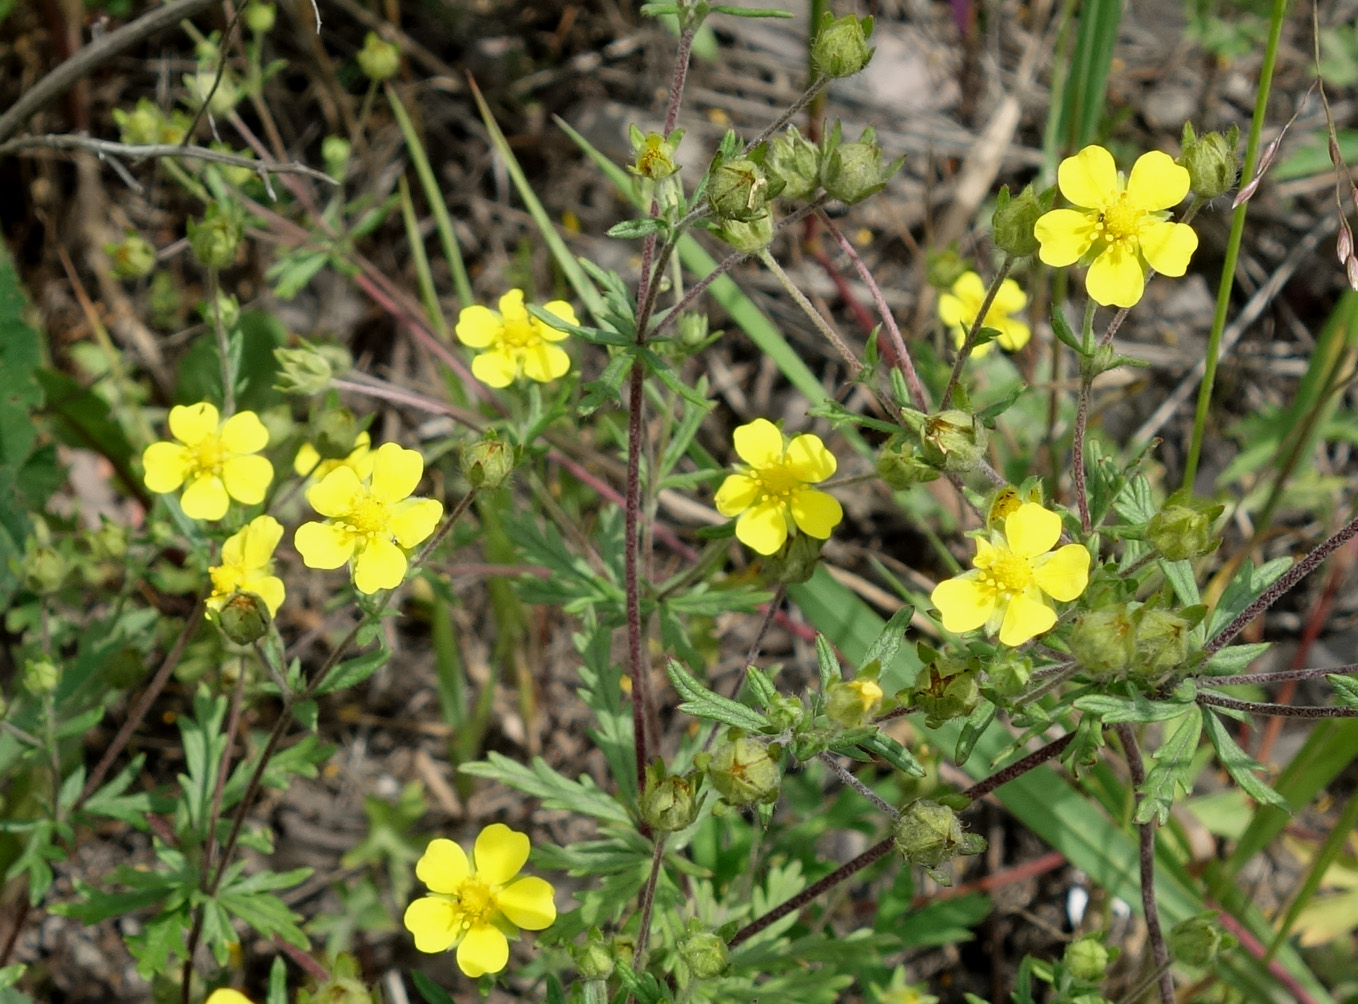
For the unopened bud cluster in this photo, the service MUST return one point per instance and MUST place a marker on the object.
(744, 771)
(310, 367)
(1211, 160)
(1131, 639)
(946, 689)
(670, 801)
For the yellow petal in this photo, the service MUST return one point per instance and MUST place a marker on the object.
(244, 433)
(563, 310)
(970, 289)
(1027, 616)
(953, 313)
(1064, 573)
(192, 423)
(413, 520)
(759, 444)
(1009, 299)
(205, 498)
(496, 368)
(1088, 179)
(815, 512)
(809, 460)
(528, 903)
(304, 464)
(233, 551)
(225, 995)
(258, 541)
(512, 308)
(736, 494)
(1031, 529)
(443, 866)
(1064, 235)
(1167, 246)
(379, 565)
(336, 494)
(396, 472)
(500, 853)
(1013, 335)
(268, 588)
(1156, 182)
(323, 545)
(166, 466)
(247, 478)
(483, 950)
(433, 922)
(478, 327)
(763, 527)
(964, 603)
(545, 363)
(1116, 278)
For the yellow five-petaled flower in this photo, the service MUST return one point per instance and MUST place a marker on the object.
(1120, 228)
(474, 909)
(771, 495)
(514, 342)
(958, 308)
(371, 522)
(1015, 572)
(247, 565)
(212, 459)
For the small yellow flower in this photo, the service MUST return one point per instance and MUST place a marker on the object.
(958, 308)
(770, 495)
(1121, 228)
(309, 463)
(475, 910)
(514, 341)
(371, 522)
(225, 995)
(211, 459)
(247, 565)
(1016, 571)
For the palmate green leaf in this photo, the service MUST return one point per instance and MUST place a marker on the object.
(1345, 689)
(700, 702)
(1239, 764)
(555, 790)
(266, 913)
(1173, 769)
(110, 801)
(163, 937)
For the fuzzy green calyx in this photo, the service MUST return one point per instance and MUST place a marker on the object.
(215, 238)
(40, 676)
(377, 59)
(745, 771)
(309, 368)
(953, 441)
(796, 161)
(852, 703)
(244, 618)
(488, 463)
(747, 236)
(853, 171)
(1015, 218)
(930, 834)
(1103, 641)
(670, 802)
(1198, 940)
(901, 467)
(702, 954)
(740, 190)
(1087, 960)
(594, 960)
(1182, 529)
(1161, 642)
(840, 48)
(948, 689)
(1212, 161)
(133, 257)
(260, 17)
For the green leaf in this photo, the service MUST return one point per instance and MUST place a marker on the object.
(429, 990)
(1063, 331)
(1239, 764)
(555, 790)
(632, 229)
(1249, 583)
(885, 646)
(1234, 659)
(278, 982)
(1173, 767)
(1345, 689)
(1180, 576)
(826, 660)
(893, 753)
(972, 730)
(703, 703)
(354, 671)
(1113, 710)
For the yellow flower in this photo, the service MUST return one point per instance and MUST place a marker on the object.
(309, 463)
(476, 909)
(1122, 227)
(247, 565)
(770, 495)
(225, 995)
(372, 521)
(958, 308)
(514, 341)
(211, 459)
(1016, 571)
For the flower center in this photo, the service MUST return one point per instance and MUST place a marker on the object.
(520, 334)
(224, 579)
(475, 901)
(368, 516)
(208, 455)
(777, 483)
(1120, 221)
(1007, 573)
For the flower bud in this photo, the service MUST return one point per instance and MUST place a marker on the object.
(1104, 640)
(260, 17)
(796, 561)
(142, 125)
(653, 154)
(243, 618)
(786, 713)
(901, 466)
(852, 703)
(840, 48)
(1182, 529)
(1161, 642)
(377, 59)
(693, 329)
(1211, 160)
(1015, 218)
(749, 237)
(953, 441)
(44, 569)
(702, 954)
(40, 676)
(943, 268)
(216, 238)
(1087, 960)
(133, 256)
(930, 834)
(746, 772)
(1197, 940)
(594, 959)
(853, 171)
(740, 190)
(221, 92)
(108, 542)
(488, 462)
(669, 803)
(1008, 672)
(335, 152)
(948, 690)
(227, 308)
(309, 368)
(796, 161)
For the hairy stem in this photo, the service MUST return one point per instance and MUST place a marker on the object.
(976, 326)
(1146, 835)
